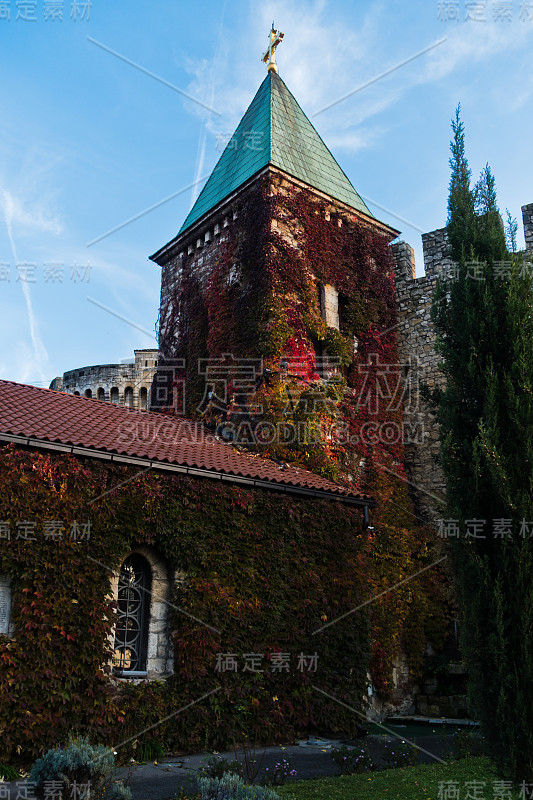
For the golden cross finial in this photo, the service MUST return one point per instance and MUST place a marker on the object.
(276, 38)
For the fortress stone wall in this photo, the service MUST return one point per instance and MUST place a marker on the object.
(416, 339)
(126, 384)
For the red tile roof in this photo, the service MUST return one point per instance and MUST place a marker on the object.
(104, 430)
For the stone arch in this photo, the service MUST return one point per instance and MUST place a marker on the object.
(158, 662)
(101, 393)
(114, 395)
(77, 394)
(128, 396)
(88, 393)
(143, 397)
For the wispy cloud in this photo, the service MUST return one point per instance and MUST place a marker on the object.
(354, 140)
(311, 66)
(200, 158)
(314, 69)
(28, 218)
(470, 43)
(522, 94)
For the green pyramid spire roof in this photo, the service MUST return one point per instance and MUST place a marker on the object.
(275, 130)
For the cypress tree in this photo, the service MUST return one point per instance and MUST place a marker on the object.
(484, 324)
(461, 221)
(490, 238)
(511, 229)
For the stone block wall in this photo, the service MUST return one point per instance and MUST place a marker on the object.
(527, 218)
(199, 250)
(329, 303)
(402, 700)
(416, 340)
(453, 706)
(437, 257)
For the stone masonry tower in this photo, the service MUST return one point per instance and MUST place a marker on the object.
(274, 156)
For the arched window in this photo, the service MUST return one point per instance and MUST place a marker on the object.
(114, 395)
(101, 393)
(133, 616)
(77, 394)
(88, 393)
(128, 397)
(143, 395)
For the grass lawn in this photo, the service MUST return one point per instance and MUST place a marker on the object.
(409, 783)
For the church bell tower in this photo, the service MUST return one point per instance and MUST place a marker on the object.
(281, 276)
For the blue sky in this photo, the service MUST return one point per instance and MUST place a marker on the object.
(88, 141)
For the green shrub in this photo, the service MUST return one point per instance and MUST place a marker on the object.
(352, 760)
(399, 754)
(118, 792)
(150, 751)
(216, 766)
(232, 787)
(80, 764)
(279, 773)
(468, 743)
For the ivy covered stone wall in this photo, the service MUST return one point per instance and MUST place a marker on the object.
(258, 573)
(255, 572)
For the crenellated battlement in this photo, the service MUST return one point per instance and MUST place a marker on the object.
(527, 219)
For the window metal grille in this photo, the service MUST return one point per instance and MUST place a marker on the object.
(131, 630)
